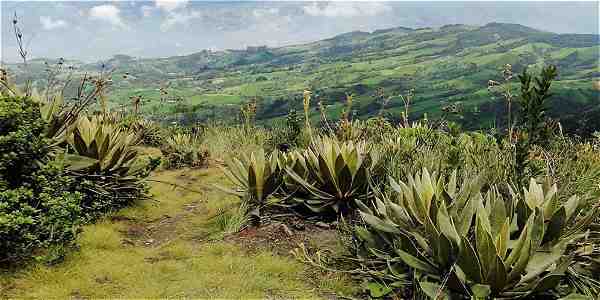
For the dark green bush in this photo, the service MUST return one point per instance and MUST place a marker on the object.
(38, 214)
(286, 133)
(36, 209)
(22, 145)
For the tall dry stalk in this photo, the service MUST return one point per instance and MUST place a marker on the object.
(306, 102)
(508, 95)
(407, 99)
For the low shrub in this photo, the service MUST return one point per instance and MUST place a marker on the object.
(40, 213)
(36, 208)
(21, 140)
(287, 134)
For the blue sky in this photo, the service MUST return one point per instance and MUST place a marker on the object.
(94, 30)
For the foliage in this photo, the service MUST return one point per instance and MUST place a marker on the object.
(183, 149)
(150, 133)
(38, 214)
(574, 165)
(332, 175)
(22, 145)
(106, 168)
(111, 148)
(255, 178)
(289, 133)
(226, 141)
(36, 208)
(408, 150)
(458, 241)
(534, 100)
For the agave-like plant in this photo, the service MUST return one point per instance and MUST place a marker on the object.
(482, 246)
(255, 178)
(111, 150)
(331, 175)
(183, 149)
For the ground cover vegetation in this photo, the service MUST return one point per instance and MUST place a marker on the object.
(405, 207)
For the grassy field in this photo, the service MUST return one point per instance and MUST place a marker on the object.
(444, 65)
(171, 247)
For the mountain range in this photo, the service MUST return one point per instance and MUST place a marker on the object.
(446, 67)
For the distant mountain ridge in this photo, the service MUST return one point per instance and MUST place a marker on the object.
(449, 65)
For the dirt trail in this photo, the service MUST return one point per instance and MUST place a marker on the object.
(172, 247)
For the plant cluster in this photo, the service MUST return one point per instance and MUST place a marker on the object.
(59, 169)
(437, 213)
(184, 149)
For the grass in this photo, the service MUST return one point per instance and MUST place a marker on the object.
(173, 256)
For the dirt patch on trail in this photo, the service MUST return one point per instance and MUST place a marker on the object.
(158, 231)
(281, 238)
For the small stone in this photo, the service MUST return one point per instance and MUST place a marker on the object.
(322, 225)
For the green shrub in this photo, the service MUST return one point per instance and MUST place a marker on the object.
(36, 208)
(38, 214)
(408, 150)
(22, 146)
(227, 141)
(287, 133)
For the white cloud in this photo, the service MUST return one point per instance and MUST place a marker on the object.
(346, 9)
(108, 13)
(170, 5)
(265, 12)
(49, 24)
(179, 18)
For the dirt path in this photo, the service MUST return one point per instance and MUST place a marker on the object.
(173, 247)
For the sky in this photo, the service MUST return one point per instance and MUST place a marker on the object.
(96, 30)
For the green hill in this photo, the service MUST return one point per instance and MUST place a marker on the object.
(447, 65)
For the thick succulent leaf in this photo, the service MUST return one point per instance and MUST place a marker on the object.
(378, 290)
(76, 162)
(416, 263)
(555, 226)
(481, 291)
(540, 261)
(468, 261)
(503, 238)
(379, 224)
(433, 290)
(486, 250)
(446, 226)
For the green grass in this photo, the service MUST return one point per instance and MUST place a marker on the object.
(180, 259)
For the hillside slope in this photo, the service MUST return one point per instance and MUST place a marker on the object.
(445, 66)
